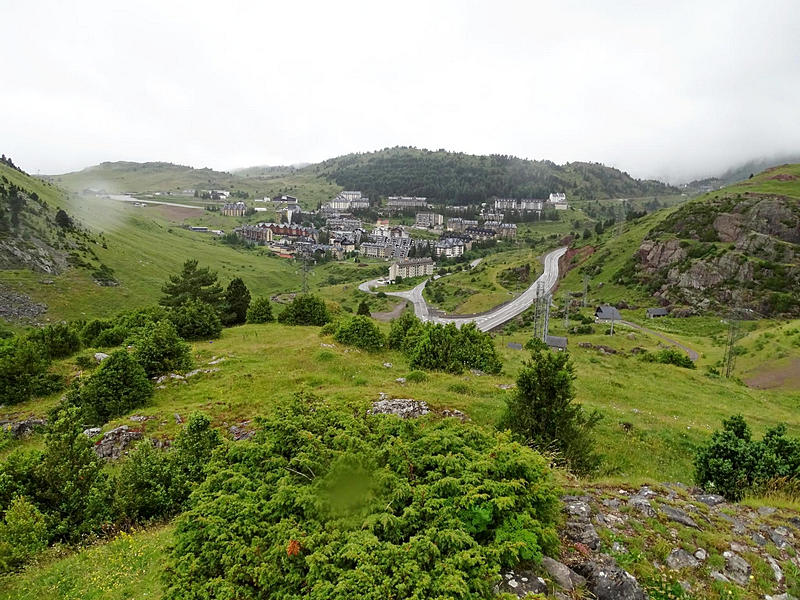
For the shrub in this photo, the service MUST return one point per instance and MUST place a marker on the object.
(260, 311)
(541, 411)
(399, 328)
(417, 377)
(144, 485)
(305, 310)
(363, 308)
(21, 362)
(196, 320)
(191, 454)
(732, 463)
(235, 303)
(56, 341)
(361, 332)
(159, 349)
(23, 534)
(114, 336)
(118, 386)
(670, 356)
(447, 348)
(192, 284)
(340, 507)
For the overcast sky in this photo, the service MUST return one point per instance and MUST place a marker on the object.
(660, 89)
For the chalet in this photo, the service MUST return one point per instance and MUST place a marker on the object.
(606, 313)
(234, 209)
(653, 313)
(411, 268)
(555, 342)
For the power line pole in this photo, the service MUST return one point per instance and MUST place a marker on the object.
(730, 348)
(547, 301)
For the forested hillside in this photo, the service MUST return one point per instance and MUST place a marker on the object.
(458, 178)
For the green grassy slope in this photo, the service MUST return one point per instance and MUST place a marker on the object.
(148, 178)
(144, 246)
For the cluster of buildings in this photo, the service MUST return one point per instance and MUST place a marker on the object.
(415, 267)
(234, 209)
(557, 200)
(405, 203)
(346, 202)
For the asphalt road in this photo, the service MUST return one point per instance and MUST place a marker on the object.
(488, 320)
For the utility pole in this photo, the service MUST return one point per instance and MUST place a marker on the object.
(730, 348)
(585, 288)
(547, 300)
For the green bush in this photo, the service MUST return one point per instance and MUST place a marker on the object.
(670, 356)
(361, 332)
(732, 463)
(56, 341)
(541, 411)
(260, 311)
(236, 302)
(196, 320)
(159, 349)
(144, 485)
(305, 310)
(92, 329)
(417, 377)
(447, 348)
(191, 454)
(399, 328)
(113, 336)
(23, 534)
(118, 386)
(21, 362)
(321, 504)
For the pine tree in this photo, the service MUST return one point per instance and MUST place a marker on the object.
(237, 301)
(192, 283)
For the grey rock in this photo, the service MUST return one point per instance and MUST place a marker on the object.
(701, 554)
(405, 408)
(241, 431)
(388, 365)
(679, 516)
(505, 386)
(784, 596)
(739, 527)
(766, 511)
(607, 581)
(139, 418)
(178, 418)
(454, 413)
(737, 569)
(23, 429)
(562, 574)
(577, 507)
(400, 380)
(115, 442)
(777, 572)
(611, 502)
(100, 356)
(642, 505)
(717, 576)
(680, 559)
(582, 532)
(477, 372)
(759, 539)
(618, 548)
(520, 584)
(91, 431)
(739, 548)
(219, 360)
(710, 499)
(778, 537)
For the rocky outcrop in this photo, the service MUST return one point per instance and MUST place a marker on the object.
(17, 307)
(654, 256)
(24, 428)
(115, 442)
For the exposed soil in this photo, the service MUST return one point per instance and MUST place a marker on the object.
(787, 376)
(392, 314)
(784, 177)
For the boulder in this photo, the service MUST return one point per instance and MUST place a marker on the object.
(100, 356)
(565, 577)
(777, 572)
(642, 505)
(679, 516)
(680, 559)
(710, 499)
(241, 431)
(22, 429)
(583, 533)
(607, 581)
(114, 443)
(737, 569)
(405, 408)
(577, 507)
(520, 584)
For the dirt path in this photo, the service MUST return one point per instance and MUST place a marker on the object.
(693, 355)
(392, 314)
(788, 377)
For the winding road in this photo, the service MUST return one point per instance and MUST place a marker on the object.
(493, 318)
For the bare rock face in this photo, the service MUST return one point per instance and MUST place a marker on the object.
(520, 584)
(653, 256)
(405, 408)
(565, 577)
(115, 443)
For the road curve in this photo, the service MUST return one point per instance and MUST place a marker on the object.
(493, 318)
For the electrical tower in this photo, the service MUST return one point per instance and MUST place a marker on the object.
(541, 312)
